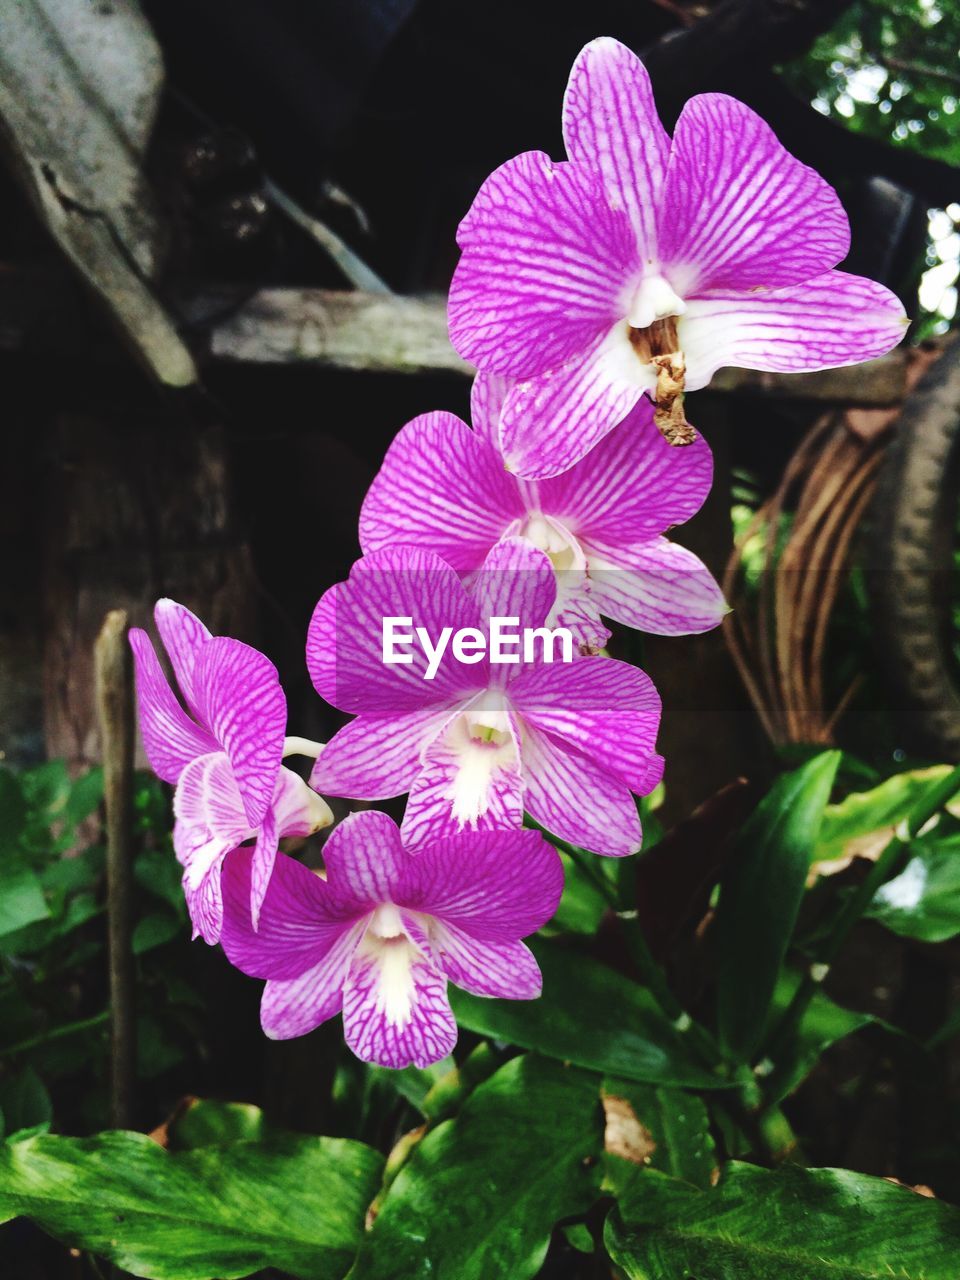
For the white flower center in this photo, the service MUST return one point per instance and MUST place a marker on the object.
(480, 743)
(558, 543)
(392, 954)
(654, 299)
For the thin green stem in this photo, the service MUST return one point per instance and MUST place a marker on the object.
(55, 1033)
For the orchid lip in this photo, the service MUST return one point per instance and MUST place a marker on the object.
(655, 299)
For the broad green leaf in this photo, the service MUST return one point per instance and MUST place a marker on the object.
(25, 1102)
(153, 931)
(824, 1023)
(481, 1193)
(760, 897)
(13, 810)
(789, 1224)
(207, 1122)
(582, 904)
(86, 793)
(158, 871)
(21, 895)
(674, 1134)
(923, 901)
(592, 1016)
(878, 810)
(295, 1203)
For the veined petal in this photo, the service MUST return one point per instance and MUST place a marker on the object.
(239, 697)
(487, 394)
(204, 902)
(183, 635)
(261, 865)
(833, 320)
(632, 486)
(297, 809)
(659, 587)
(497, 886)
(610, 122)
(208, 799)
(549, 422)
(738, 211)
(170, 738)
(441, 487)
(377, 757)
(575, 799)
(395, 1007)
(365, 858)
(301, 919)
(345, 641)
(295, 1006)
(504, 969)
(546, 266)
(516, 581)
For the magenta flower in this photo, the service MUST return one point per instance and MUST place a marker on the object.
(224, 757)
(443, 487)
(382, 935)
(641, 265)
(476, 742)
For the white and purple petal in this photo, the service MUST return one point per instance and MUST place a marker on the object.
(183, 635)
(293, 1007)
(658, 587)
(170, 738)
(376, 757)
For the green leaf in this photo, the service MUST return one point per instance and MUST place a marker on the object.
(864, 813)
(207, 1122)
(481, 1193)
(760, 898)
(21, 895)
(158, 871)
(582, 904)
(675, 1128)
(923, 901)
(296, 1203)
(13, 810)
(153, 931)
(592, 1016)
(791, 1224)
(25, 1103)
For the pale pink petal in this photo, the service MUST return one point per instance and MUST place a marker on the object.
(573, 798)
(516, 581)
(345, 642)
(301, 918)
(498, 886)
(835, 319)
(397, 1018)
(365, 859)
(441, 487)
(659, 587)
(550, 421)
(545, 268)
(606, 709)
(632, 486)
(378, 757)
(487, 395)
(183, 635)
(610, 122)
(295, 1006)
(738, 211)
(240, 699)
(170, 738)
(504, 969)
(207, 798)
(297, 810)
(204, 902)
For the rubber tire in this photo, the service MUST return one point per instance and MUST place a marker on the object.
(910, 561)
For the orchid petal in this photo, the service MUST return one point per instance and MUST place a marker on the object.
(377, 757)
(544, 267)
(658, 587)
(239, 697)
(262, 863)
(441, 487)
(504, 969)
(549, 422)
(208, 798)
(395, 1007)
(170, 738)
(297, 810)
(365, 858)
(516, 581)
(738, 211)
(183, 635)
(205, 903)
(832, 320)
(610, 121)
(295, 1006)
(487, 394)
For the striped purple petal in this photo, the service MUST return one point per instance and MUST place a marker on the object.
(833, 320)
(632, 486)
(487, 394)
(610, 122)
(658, 587)
(365, 858)
(549, 422)
(170, 738)
(293, 1007)
(738, 211)
(575, 799)
(395, 1007)
(546, 267)
(504, 969)
(441, 487)
(239, 697)
(183, 635)
(377, 757)
(516, 581)
(345, 641)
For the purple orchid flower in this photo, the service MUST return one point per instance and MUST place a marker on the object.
(644, 265)
(224, 757)
(477, 742)
(443, 487)
(381, 936)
